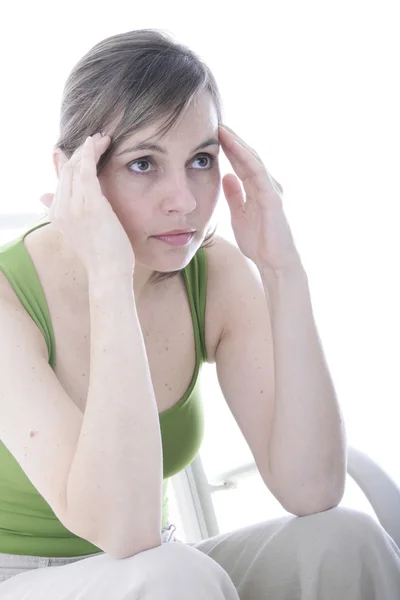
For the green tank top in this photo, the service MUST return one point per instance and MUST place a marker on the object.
(27, 523)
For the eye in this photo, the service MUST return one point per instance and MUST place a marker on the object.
(206, 161)
(142, 164)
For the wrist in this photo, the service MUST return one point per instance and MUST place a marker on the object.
(295, 271)
(110, 283)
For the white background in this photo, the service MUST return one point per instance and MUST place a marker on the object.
(313, 87)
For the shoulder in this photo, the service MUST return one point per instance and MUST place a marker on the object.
(219, 253)
(232, 283)
(18, 319)
(226, 265)
(14, 310)
(228, 269)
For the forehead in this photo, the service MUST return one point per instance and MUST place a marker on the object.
(201, 111)
(197, 122)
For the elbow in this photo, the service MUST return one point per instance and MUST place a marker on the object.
(306, 502)
(305, 509)
(120, 551)
(123, 545)
(133, 549)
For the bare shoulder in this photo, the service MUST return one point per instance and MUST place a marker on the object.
(12, 308)
(230, 279)
(220, 255)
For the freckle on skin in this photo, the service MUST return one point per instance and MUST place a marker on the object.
(32, 433)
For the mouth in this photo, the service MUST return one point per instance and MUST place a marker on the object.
(176, 239)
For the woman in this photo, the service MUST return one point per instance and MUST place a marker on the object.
(108, 314)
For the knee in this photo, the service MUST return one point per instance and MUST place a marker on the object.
(339, 525)
(176, 565)
(176, 556)
(342, 519)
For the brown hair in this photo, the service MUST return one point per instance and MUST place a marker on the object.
(143, 75)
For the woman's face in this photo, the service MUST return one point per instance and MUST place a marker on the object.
(174, 184)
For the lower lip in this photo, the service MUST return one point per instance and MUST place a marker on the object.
(181, 239)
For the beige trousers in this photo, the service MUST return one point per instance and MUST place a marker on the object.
(340, 554)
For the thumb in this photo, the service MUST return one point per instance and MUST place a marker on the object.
(47, 199)
(233, 194)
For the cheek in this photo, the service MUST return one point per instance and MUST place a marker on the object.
(216, 188)
(208, 201)
(210, 184)
(119, 187)
(136, 218)
(121, 194)
(113, 191)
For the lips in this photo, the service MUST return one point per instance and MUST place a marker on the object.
(180, 239)
(176, 232)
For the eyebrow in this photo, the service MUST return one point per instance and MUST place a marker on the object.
(161, 150)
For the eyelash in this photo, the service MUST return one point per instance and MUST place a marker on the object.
(149, 160)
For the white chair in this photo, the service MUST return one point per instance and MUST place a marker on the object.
(194, 494)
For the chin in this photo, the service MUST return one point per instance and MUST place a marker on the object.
(173, 264)
(172, 259)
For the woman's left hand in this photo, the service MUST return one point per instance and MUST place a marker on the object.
(261, 229)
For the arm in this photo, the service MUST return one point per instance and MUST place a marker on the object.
(115, 481)
(308, 442)
(274, 377)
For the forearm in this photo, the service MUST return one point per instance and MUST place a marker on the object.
(115, 481)
(307, 448)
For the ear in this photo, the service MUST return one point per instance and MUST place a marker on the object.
(59, 160)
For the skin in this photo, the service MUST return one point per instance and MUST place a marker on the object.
(270, 363)
(178, 189)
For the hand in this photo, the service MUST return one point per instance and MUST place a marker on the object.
(84, 215)
(261, 229)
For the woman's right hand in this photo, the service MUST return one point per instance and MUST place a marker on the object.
(84, 215)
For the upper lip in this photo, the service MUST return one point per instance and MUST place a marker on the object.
(176, 231)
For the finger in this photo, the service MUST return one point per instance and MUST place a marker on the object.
(244, 164)
(228, 141)
(69, 183)
(228, 135)
(234, 194)
(65, 186)
(88, 185)
(255, 177)
(101, 143)
(278, 185)
(77, 197)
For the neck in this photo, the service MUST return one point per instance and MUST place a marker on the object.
(141, 276)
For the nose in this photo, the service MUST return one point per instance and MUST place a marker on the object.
(177, 195)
